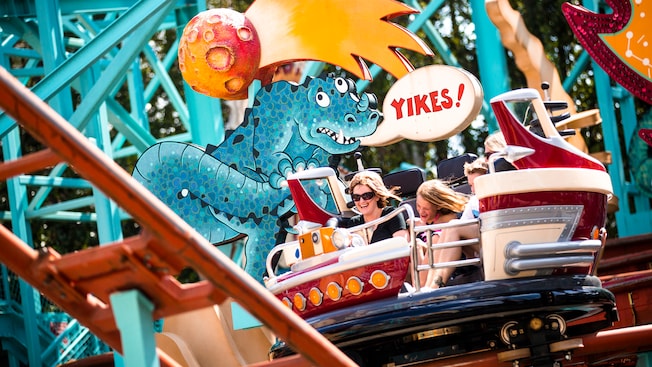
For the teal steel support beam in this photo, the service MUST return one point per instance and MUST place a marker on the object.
(70, 183)
(634, 215)
(644, 360)
(492, 63)
(138, 115)
(206, 123)
(133, 316)
(127, 24)
(29, 297)
(53, 51)
(28, 31)
(162, 78)
(610, 132)
(136, 86)
(642, 213)
(72, 7)
(580, 66)
(424, 23)
(54, 209)
(108, 214)
(116, 70)
(42, 193)
(131, 129)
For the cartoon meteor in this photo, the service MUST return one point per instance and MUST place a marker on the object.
(222, 51)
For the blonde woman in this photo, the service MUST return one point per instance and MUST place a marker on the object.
(436, 203)
(371, 199)
(438, 278)
(495, 143)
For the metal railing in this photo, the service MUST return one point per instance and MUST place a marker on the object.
(430, 248)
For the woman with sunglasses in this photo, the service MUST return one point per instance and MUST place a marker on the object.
(371, 199)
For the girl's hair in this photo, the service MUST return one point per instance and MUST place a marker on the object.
(375, 183)
(479, 165)
(439, 194)
(495, 142)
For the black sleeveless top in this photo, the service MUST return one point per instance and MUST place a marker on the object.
(384, 230)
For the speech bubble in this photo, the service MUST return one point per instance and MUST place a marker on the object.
(431, 103)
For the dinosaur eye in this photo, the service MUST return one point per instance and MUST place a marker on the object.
(322, 99)
(341, 85)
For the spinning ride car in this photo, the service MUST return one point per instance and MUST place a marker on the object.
(542, 230)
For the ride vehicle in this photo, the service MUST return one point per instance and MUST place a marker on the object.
(541, 235)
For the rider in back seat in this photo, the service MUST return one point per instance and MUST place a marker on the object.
(464, 274)
(436, 203)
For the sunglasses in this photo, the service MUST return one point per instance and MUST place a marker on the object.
(366, 196)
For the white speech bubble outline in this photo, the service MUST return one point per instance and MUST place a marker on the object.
(436, 102)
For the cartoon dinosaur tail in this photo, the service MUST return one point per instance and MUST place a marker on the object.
(215, 199)
(182, 177)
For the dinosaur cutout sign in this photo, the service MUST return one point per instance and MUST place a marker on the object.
(238, 187)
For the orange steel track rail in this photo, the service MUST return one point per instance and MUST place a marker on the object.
(81, 283)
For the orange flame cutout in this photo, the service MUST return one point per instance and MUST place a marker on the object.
(338, 32)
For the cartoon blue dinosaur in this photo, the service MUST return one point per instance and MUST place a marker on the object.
(237, 188)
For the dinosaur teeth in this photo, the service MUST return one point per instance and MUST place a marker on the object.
(338, 138)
